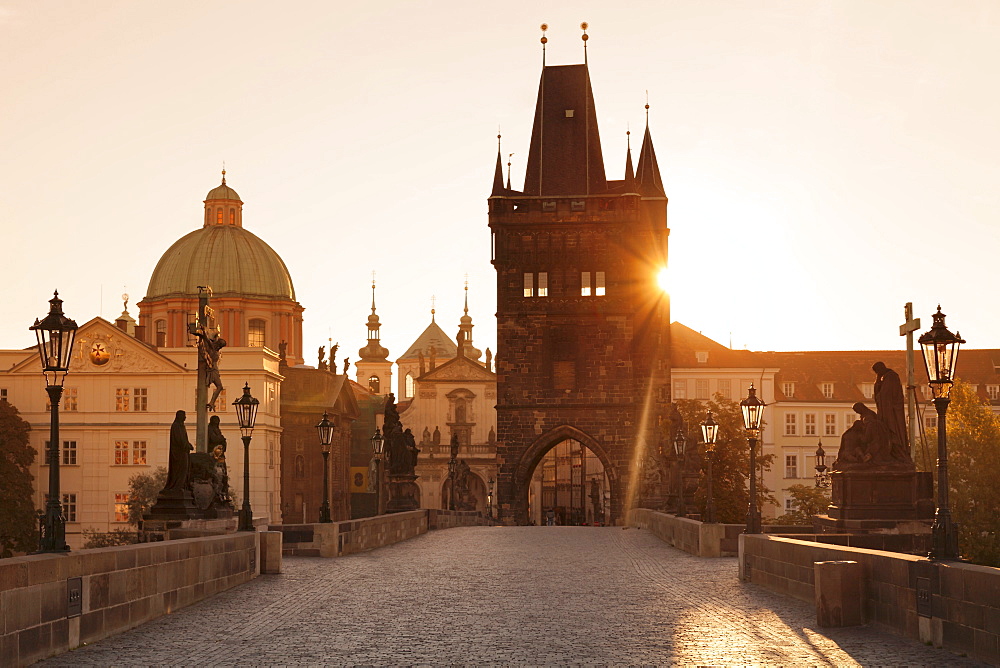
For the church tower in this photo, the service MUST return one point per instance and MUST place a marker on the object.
(582, 340)
(373, 365)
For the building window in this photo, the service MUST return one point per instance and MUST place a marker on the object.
(830, 424)
(788, 389)
(255, 333)
(599, 288)
(69, 453)
(726, 388)
(3, 394)
(701, 357)
(791, 424)
(789, 505)
(232, 216)
(69, 506)
(993, 392)
(543, 284)
(701, 388)
(536, 286)
(69, 399)
(930, 421)
(373, 384)
(850, 419)
(549, 206)
(827, 389)
(791, 466)
(868, 390)
(121, 453)
(578, 205)
(160, 328)
(138, 452)
(140, 402)
(218, 216)
(220, 404)
(529, 285)
(585, 288)
(122, 399)
(121, 507)
(810, 424)
(680, 389)
(408, 386)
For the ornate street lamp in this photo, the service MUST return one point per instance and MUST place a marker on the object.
(822, 477)
(325, 429)
(680, 444)
(246, 414)
(753, 411)
(710, 434)
(940, 357)
(378, 449)
(55, 335)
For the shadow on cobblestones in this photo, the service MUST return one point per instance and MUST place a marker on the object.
(504, 595)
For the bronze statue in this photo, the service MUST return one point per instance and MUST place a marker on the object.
(217, 446)
(867, 443)
(437, 436)
(210, 348)
(177, 463)
(333, 355)
(347, 364)
(426, 439)
(889, 403)
(322, 357)
(411, 447)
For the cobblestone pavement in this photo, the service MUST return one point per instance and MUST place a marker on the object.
(504, 595)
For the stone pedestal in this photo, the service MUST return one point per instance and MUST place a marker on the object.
(878, 501)
(839, 595)
(403, 492)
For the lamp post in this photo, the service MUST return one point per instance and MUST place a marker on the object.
(940, 348)
(710, 434)
(55, 334)
(489, 499)
(680, 444)
(452, 468)
(378, 449)
(325, 429)
(753, 411)
(246, 413)
(822, 477)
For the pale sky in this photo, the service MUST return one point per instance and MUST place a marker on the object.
(839, 158)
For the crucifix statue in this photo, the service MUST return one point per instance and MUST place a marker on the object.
(210, 345)
(906, 329)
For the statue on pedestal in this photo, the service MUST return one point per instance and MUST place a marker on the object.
(177, 463)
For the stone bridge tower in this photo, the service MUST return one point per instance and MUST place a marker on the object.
(583, 327)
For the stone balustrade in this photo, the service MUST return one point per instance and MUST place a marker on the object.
(51, 603)
(949, 604)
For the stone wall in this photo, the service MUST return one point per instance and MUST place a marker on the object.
(950, 604)
(337, 539)
(52, 603)
(695, 537)
(449, 519)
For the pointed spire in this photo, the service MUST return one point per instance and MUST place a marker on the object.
(544, 40)
(583, 27)
(629, 173)
(223, 172)
(466, 294)
(648, 171)
(373, 350)
(498, 188)
(509, 156)
(373, 293)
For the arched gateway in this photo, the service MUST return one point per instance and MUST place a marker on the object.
(582, 326)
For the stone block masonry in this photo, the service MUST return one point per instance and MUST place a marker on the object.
(947, 604)
(51, 603)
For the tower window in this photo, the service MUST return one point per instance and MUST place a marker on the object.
(408, 386)
(373, 384)
(578, 205)
(218, 216)
(536, 285)
(529, 285)
(549, 206)
(595, 287)
(543, 284)
(232, 216)
(255, 334)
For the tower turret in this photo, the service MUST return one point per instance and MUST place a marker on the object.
(373, 365)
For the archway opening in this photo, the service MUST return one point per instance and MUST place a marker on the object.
(569, 486)
(470, 494)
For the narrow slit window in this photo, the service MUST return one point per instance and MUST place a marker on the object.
(599, 289)
(585, 284)
(543, 284)
(529, 285)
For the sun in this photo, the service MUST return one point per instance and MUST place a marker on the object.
(663, 279)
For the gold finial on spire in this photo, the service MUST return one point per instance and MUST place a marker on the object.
(373, 291)
(509, 156)
(433, 302)
(544, 40)
(223, 172)
(585, 37)
(466, 294)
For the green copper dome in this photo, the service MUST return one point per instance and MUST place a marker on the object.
(227, 258)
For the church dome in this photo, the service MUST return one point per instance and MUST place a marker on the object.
(223, 192)
(228, 258)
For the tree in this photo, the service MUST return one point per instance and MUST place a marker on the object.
(18, 521)
(809, 500)
(973, 431)
(731, 460)
(143, 489)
